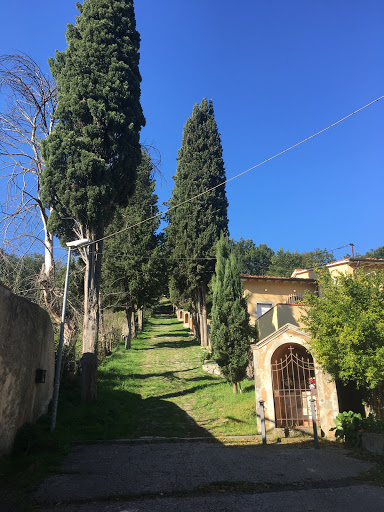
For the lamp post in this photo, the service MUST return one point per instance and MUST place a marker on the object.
(76, 244)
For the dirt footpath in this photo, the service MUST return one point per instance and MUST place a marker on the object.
(207, 476)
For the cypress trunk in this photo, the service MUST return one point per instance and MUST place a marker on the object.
(128, 314)
(91, 317)
(140, 319)
(133, 324)
(196, 320)
(101, 315)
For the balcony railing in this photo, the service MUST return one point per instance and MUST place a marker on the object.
(294, 298)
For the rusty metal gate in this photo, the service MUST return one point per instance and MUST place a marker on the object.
(294, 384)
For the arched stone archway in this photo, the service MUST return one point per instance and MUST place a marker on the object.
(274, 347)
(294, 384)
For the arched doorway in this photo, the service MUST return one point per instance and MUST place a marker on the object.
(294, 384)
(186, 318)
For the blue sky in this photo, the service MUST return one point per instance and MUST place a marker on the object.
(277, 72)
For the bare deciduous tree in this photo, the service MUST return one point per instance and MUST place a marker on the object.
(27, 115)
(28, 98)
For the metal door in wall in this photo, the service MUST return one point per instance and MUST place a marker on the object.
(294, 384)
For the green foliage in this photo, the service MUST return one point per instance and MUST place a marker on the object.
(317, 258)
(253, 260)
(230, 329)
(348, 427)
(375, 253)
(195, 227)
(92, 154)
(373, 424)
(133, 271)
(346, 323)
(21, 274)
(283, 263)
(206, 355)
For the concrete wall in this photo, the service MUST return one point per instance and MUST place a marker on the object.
(26, 344)
(277, 317)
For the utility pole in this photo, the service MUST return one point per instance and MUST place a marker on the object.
(353, 253)
(76, 244)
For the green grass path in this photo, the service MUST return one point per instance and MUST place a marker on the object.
(157, 388)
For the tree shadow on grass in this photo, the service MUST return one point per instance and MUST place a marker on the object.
(163, 320)
(187, 343)
(143, 348)
(163, 418)
(170, 373)
(184, 343)
(236, 420)
(188, 391)
(173, 334)
(120, 414)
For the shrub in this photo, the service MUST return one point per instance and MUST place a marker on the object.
(348, 428)
(373, 424)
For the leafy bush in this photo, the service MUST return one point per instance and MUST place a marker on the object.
(373, 424)
(350, 425)
(348, 428)
(206, 356)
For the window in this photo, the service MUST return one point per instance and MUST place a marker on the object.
(263, 307)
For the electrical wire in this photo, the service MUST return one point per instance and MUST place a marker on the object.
(238, 175)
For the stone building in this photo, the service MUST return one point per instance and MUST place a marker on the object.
(286, 375)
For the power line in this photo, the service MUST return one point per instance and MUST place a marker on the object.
(240, 174)
(351, 245)
(159, 257)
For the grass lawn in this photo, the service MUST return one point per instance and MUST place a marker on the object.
(157, 388)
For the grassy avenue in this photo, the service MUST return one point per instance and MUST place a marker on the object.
(157, 388)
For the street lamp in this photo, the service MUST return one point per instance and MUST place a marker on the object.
(76, 244)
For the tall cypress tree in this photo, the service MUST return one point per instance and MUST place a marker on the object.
(92, 155)
(195, 227)
(132, 269)
(230, 330)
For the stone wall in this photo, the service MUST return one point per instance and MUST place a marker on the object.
(26, 344)
(263, 351)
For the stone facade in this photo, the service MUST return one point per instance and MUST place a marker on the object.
(26, 344)
(263, 352)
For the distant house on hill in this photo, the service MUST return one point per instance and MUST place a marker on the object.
(345, 266)
(286, 375)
